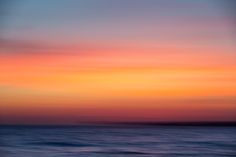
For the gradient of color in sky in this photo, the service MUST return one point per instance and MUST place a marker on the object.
(78, 61)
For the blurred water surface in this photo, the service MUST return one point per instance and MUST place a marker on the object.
(117, 141)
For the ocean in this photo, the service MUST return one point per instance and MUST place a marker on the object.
(117, 141)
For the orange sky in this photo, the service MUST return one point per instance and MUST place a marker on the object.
(189, 74)
(110, 87)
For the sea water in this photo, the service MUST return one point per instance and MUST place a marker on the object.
(117, 141)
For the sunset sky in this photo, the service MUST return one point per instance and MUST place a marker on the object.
(79, 61)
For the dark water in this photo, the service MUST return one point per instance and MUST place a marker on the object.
(88, 141)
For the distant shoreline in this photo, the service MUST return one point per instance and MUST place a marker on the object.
(127, 124)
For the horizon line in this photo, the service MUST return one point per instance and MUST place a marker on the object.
(136, 123)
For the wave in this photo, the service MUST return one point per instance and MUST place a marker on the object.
(122, 152)
(60, 144)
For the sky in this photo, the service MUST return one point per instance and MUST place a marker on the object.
(85, 61)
